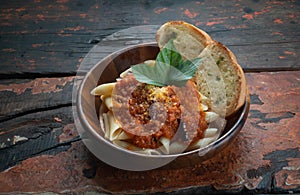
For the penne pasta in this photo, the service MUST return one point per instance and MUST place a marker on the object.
(103, 89)
(204, 107)
(165, 148)
(149, 152)
(132, 147)
(211, 116)
(123, 74)
(102, 97)
(203, 142)
(203, 97)
(123, 136)
(114, 127)
(108, 102)
(177, 147)
(106, 125)
(150, 62)
(210, 132)
(126, 145)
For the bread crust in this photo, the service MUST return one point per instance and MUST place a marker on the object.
(240, 92)
(201, 35)
(217, 49)
(241, 97)
(243, 92)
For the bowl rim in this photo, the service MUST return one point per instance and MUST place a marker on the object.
(240, 121)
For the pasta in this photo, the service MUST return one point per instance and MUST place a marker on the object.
(104, 89)
(114, 127)
(114, 131)
(165, 148)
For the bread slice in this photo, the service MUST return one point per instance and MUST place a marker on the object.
(188, 39)
(219, 69)
(232, 77)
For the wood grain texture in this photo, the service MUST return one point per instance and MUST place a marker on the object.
(39, 133)
(264, 158)
(23, 96)
(42, 37)
(43, 45)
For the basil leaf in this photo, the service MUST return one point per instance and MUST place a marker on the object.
(169, 55)
(160, 75)
(169, 68)
(170, 75)
(145, 73)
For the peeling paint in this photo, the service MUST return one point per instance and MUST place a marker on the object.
(39, 85)
(277, 33)
(198, 23)
(275, 2)
(21, 9)
(292, 16)
(62, 1)
(77, 28)
(18, 138)
(32, 64)
(278, 21)
(6, 16)
(290, 53)
(70, 29)
(82, 15)
(56, 119)
(213, 23)
(248, 16)
(40, 16)
(65, 34)
(8, 50)
(251, 16)
(36, 45)
(236, 26)
(158, 11)
(69, 132)
(190, 14)
(291, 168)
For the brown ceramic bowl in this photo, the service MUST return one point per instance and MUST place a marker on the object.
(87, 112)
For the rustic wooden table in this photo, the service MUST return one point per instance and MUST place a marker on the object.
(43, 43)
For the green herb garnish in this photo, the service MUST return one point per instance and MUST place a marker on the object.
(169, 68)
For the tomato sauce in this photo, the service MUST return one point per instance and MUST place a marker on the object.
(147, 113)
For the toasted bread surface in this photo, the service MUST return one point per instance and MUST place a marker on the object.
(193, 42)
(232, 76)
(188, 39)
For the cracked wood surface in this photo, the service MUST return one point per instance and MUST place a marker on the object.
(42, 45)
(263, 158)
(36, 36)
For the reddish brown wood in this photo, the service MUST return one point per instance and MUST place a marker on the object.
(42, 44)
(23, 96)
(52, 38)
(265, 156)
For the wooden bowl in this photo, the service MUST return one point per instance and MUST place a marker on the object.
(87, 112)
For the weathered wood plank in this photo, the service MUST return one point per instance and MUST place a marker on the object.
(48, 132)
(264, 158)
(45, 38)
(21, 96)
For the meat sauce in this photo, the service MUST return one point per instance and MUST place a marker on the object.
(147, 113)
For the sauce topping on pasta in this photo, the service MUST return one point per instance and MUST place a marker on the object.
(147, 112)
